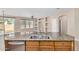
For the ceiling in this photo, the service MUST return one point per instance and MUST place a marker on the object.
(28, 12)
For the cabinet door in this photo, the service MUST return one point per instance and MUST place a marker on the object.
(46, 46)
(63, 46)
(32, 45)
(6, 44)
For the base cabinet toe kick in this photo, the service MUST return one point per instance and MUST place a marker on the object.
(49, 45)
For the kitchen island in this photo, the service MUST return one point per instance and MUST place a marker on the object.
(61, 43)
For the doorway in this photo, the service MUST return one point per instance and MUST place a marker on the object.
(63, 25)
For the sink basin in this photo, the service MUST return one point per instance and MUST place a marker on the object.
(39, 37)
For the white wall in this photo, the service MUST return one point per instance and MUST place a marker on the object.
(71, 23)
(77, 22)
(77, 43)
(70, 19)
(54, 24)
(2, 45)
(77, 29)
(28, 12)
(17, 25)
(63, 20)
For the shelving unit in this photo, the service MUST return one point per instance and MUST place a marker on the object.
(35, 26)
(46, 24)
(41, 25)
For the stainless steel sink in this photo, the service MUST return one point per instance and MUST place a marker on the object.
(35, 36)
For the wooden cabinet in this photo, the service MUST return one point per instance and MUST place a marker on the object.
(39, 45)
(6, 44)
(49, 45)
(32, 45)
(46, 46)
(63, 46)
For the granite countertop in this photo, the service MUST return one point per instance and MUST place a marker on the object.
(24, 37)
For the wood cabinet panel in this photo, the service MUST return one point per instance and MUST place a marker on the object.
(6, 44)
(47, 48)
(32, 48)
(63, 46)
(63, 49)
(49, 45)
(32, 43)
(46, 43)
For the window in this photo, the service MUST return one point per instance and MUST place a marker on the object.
(27, 23)
(23, 24)
(31, 24)
(1, 24)
(9, 25)
(1, 27)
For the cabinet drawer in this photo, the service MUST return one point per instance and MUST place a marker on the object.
(46, 43)
(32, 43)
